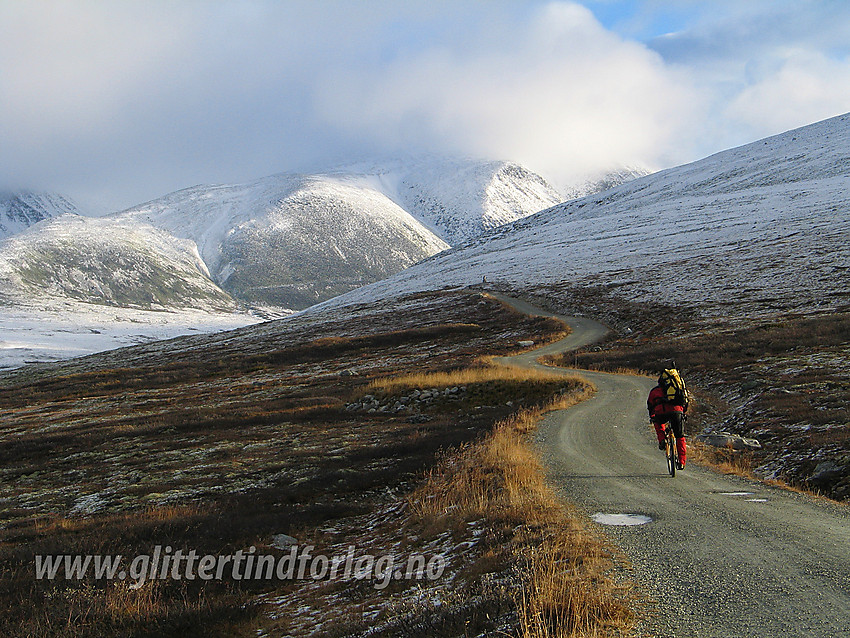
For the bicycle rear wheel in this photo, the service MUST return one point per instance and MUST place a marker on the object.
(672, 455)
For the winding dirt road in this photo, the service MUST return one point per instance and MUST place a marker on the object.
(725, 557)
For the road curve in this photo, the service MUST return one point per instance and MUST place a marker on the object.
(725, 557)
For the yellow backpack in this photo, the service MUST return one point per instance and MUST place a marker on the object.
(674, 387)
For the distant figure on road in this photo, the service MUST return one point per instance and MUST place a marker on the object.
(668, 403)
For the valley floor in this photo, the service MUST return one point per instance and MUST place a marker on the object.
(312, 431)
(34, 335)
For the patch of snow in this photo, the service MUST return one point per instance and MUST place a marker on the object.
(64, 330)
(19, 211)
(623, 520)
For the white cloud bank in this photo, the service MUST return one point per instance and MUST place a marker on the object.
(559, 93)
(122, 101)
(806, 87)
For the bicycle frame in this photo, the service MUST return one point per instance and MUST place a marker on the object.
(670, 450)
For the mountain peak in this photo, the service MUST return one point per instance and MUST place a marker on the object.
(20, 210)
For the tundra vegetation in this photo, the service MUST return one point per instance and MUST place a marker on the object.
(380, 427)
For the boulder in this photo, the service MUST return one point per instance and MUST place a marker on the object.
(283, 541)
(827, 471)
(727, 439)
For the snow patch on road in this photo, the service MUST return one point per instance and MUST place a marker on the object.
(621, 520)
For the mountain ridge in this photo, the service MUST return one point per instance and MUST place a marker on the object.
(230, 254)
(763, 220)
(23, 209)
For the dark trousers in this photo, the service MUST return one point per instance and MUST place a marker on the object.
(675, 419)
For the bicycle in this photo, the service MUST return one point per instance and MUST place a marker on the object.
(670, 451)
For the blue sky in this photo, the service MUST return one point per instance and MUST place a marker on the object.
(121, 101)
(645, 20)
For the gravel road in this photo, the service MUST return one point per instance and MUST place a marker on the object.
(725, 557)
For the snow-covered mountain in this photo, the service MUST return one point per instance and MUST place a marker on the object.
(759, 227)
(106, 261)
(288, 240)
(188, 260)
(458, 199)
(75, 285)
(294, 240)
(604, 182)
(19, 211)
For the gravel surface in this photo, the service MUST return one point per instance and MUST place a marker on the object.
(723, 556)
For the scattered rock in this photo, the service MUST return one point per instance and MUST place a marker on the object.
(410, 402)
(825, 471)
(88, 504)
(283, 541)
(748, 386)
(727, 439)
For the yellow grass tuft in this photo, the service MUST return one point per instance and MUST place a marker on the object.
(722, 459)
(484, 373)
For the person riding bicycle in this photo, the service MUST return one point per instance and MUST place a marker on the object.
(668, 403)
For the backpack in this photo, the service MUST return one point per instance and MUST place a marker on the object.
(674, 388)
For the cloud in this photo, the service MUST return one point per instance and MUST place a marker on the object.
(733, 32)
(767, 65)
(559, 93)
(130, 99)
(123, 101)
(806, 87)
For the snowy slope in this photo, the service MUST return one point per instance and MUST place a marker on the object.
(458, 199)
(292, 240)
(604, 182)
(75, 285)
(106, 262)
(760, 227)
(19, 211)
(55, 329)
(284, 240)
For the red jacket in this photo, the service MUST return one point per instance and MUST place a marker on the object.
(657, 405)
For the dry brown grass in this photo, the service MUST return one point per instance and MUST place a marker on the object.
(484, 373)
(722, 459)
(152, 418)
(570, 591)
(253, 438)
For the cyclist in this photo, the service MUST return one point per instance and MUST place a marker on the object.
(661, 411)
